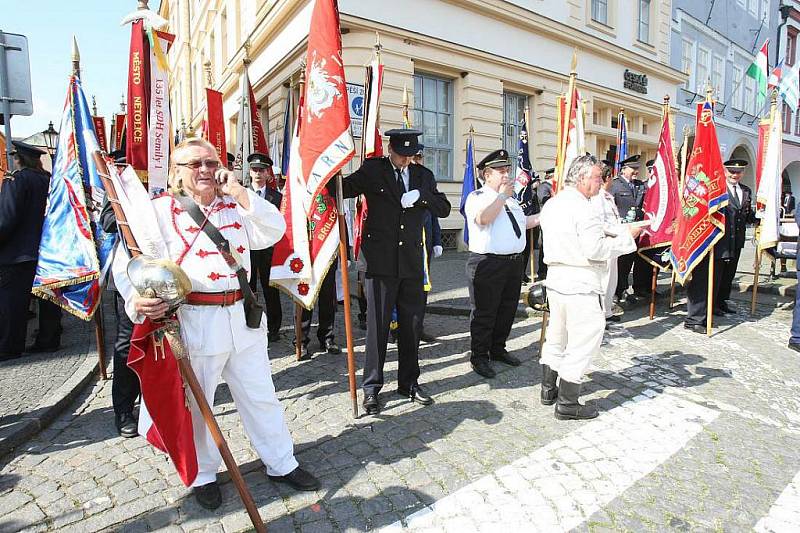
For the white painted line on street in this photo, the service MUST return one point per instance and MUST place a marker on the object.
(784, 515)
(559, 486)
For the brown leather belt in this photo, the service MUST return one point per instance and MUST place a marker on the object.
(214, 298)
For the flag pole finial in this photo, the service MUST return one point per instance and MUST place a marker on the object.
(247, 44)
(122, 104)
(709, 91)
(94, 106)
(573, 69)
(76, 58)
(209, 78)
(378, 45)
(143, 4)
(471, 129)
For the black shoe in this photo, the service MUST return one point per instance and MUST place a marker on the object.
(483, 368)
(613, 318)
(208, 496)
(126, 425)
(416, 394)
(526, 279)
(38, 348)
(9, 356)
(506, 358)
(331, 347)
(371, 404)
(274, 336)
(697, 328)
(794, 346)
(426, 337)
(549, 388)
(298, 479)
(305, 353)
(725, 308)
(720, 312)
(567, 405)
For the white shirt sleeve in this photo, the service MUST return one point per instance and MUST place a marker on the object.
(263, 222)
(595, 245)
(475, 204)
(119, 268)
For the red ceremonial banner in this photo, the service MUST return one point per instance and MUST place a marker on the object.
(216, 123)
(100, 131)
(138, 100)
(660, 204)
(326, 143)
(700, 222)
(763, 139)
(118, 134)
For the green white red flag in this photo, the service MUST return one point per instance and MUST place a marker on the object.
(758, 70)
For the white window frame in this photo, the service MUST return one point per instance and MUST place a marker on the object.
(600, 3)
(688, 45)
(649, 11)
(434, 148)
(718, 84)
(749, 95)
(700, 81)
(738, 81)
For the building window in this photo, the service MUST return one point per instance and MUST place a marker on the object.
(752, 6)
(737, 72)
(787, 119)
(644, 21)
(513, 115)
(223, 30)
(797, 124)
(791, 48)
(718, 75)
(600, 11)
(703, 57)
(433, 114)
(749, 95)
(687, 60)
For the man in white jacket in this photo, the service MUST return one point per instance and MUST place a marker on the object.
(577, 250)
(213, 328)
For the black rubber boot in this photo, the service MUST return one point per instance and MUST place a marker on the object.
(568, 407)
(549, 388)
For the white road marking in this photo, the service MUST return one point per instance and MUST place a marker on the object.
(784, 515)
(559, 486)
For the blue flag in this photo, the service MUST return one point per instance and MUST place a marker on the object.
(523, 184)
(74, 250)
(622, 142)
(468, 186)
(287, 136)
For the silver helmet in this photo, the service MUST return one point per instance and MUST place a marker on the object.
(159, 278)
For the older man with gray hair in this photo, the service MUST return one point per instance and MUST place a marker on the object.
(577, 250)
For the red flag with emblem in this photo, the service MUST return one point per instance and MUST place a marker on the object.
(704, 193)
(325, 141)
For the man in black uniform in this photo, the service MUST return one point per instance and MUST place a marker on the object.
(23, 198)
(628, 193)
(124, 382)
(543, 193)
(738, 213)
(261, 260)
(398, 194)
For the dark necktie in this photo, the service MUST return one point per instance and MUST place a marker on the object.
(517, 231)
(400, 184)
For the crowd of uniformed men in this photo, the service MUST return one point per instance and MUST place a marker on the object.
(587, 253)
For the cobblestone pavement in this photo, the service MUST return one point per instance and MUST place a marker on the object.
(694, 434)
(28, 381)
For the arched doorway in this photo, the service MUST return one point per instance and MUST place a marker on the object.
(791, 177)
(742, 151)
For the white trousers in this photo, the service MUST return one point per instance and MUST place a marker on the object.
(574, 333)
(249, 377)
(610, 285)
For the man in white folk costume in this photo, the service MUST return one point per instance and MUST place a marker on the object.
(214, 331)
(577, 250)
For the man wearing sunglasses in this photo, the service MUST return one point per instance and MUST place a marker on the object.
(213, 325)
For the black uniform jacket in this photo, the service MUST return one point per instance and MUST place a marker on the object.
(23, 199)
(737, 216)
(625, 198)
(392, 241)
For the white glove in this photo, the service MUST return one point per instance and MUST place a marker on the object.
(409, 199)
(437, 251)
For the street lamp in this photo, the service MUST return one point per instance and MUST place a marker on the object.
(50, 139)
(784, 10)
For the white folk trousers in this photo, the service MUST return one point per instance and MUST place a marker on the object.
(610, 285)
(574, 332)
(248, 374)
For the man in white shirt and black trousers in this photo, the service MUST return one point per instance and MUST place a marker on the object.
(578, 249)
(496, 262)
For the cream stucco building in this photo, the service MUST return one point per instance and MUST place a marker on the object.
(466, 63)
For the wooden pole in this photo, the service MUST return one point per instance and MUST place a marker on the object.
(298, 331)
(348, 321)
(99, 335)
(545, 318)
(710, 295)
(653, 285)
(183, 364)
(672, 291)
(756, 269)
